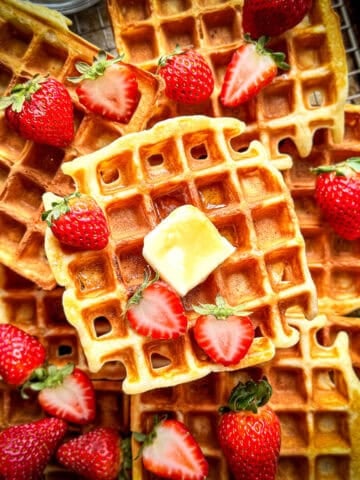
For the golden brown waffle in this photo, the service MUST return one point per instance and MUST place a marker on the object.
(40, 313)
(34, 41)
(316, 395)
(311, 95)
(138, 180)
(334, 262)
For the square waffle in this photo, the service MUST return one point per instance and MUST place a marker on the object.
(138, 180)
(36, 40)
(334, 262)
(310, 96)
(316, 395)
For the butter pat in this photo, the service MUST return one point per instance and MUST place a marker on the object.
(185, 248)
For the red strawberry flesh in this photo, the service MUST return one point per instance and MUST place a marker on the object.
(73, 399)
(159, 312)
(174, 453)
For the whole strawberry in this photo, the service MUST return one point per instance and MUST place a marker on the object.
(249, 432)
(108, 87)
(95, 455)
(273, 17)
(188, 78)
(337, 192)
(26, 449)
(20, 354)
(78, 221)
(41, 110)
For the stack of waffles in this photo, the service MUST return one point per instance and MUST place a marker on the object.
(249, 173)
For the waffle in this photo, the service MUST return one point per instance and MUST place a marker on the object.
(311, 95)
(334, 262)
(138, 180)
(316, 395)
(36, 40)
(40, 313)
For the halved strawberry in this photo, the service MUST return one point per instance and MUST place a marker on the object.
(155, 310)
(170, 451)
(108, 88)
(223, 332)
(251, 68)
(66, 393)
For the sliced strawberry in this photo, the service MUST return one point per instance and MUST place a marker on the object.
(251, 68)
(156, 310)
(170, 451)
(108, 88)
(66, 393)
(223, 332)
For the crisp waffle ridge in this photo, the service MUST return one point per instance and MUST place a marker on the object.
(334, 263)
(311, 95)
(316, 395)
(37, 41)
(138, 180)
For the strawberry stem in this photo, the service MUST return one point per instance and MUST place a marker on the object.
(22, 92)
(164, 58)
(278, 57)
(46, 377)
(58, 208)
(221, 310)
(352, 164)
(97, 69)
(248, 396)
(137, 296)
(126, 459)
(147, 438)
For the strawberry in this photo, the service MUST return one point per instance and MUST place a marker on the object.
(41, 110)
(20, 354)
(26, 449)
(337, 192)
(188, 78)
(108, 88)
(273, 17)
(155, 310)
(249, 432)
(170, 451)
(223, 332)
(251, 68)
(66, 393)
(78, 221)
(95, 455)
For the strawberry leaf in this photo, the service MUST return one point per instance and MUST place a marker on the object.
(220, 310)
(340, 169)
(248, 396)
(96, 69)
